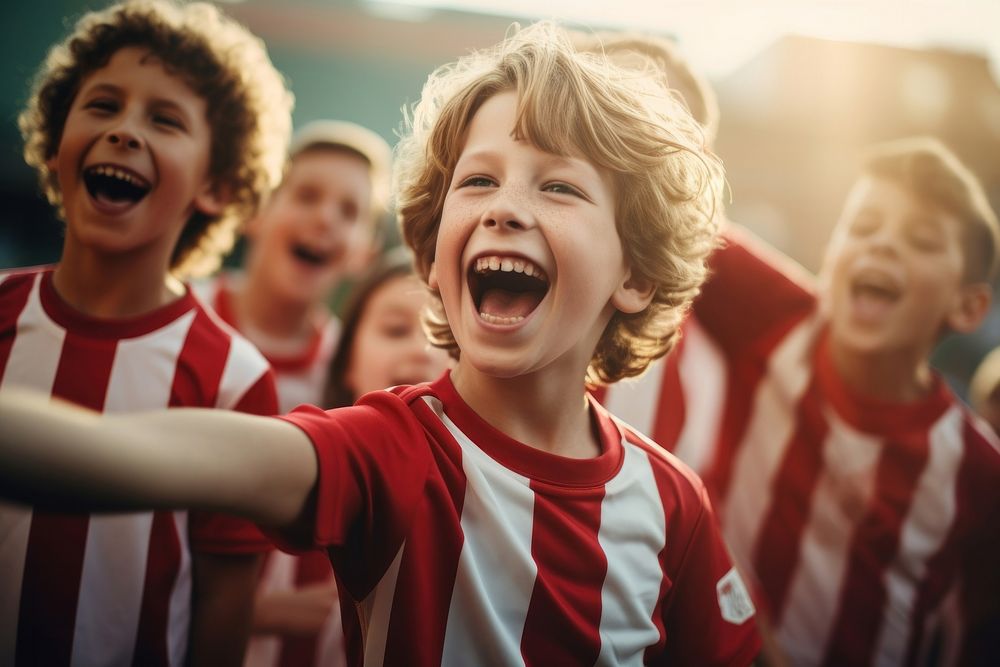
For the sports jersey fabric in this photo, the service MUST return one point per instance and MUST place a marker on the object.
(459, 546)
(301, 378)
(114, 589)
(860, 522)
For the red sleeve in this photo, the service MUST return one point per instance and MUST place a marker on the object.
(708, 615)
(753, 293)
(373, 462)
(221, 533)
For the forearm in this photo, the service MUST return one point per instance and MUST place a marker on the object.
(55, 455)
(222, 608)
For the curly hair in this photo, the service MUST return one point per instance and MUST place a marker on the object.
(624, 121)
(249, 110)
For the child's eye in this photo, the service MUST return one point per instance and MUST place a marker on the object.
(102, 104)
(562, 188)
(477, 182)
(395, 330)
(169, 121)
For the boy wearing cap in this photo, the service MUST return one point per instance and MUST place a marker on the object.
(319, 226)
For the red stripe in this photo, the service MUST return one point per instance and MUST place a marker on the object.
(200, 365)
(677, 508)
(430, 561)
(742, 381)
(671, 410)
(873, 548)
(14, 294)
(56, 542)
(261, 398)
(777, 547)
(566, 599)
(162, 566)
(196, 379)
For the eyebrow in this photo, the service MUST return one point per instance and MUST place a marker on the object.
(552, 160)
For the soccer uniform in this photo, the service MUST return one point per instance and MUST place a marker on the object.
(114, 589)
(301, 379)
(460, 546)
(856, 518)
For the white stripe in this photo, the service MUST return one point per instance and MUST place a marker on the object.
(840, 500)
(111, 585)
(931, 515)
(763, 447)
(487, 612)
(142, 374)
(635, 400)
(179, 614)
(632, 536)
(376, 610)
(702, 370)
(33, 360)
(34, 356)
(244, 366)
(114, 564)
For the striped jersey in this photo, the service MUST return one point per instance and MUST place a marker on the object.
(114, 589)
(301, 379)
(457, 545)
(861, 522)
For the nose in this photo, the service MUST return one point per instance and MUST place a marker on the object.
(124, 135)
(508, 210)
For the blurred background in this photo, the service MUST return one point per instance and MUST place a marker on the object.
(803, 87)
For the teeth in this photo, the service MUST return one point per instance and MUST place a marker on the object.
(120, 174)
(507, 265)
(494, 319)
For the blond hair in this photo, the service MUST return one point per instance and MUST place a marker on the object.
(623, 121)
(933, 174)
(637, 50)
(248, 106)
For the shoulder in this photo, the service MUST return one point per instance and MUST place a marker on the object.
(24, 275)
(680, 488)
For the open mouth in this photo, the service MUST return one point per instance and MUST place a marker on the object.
(310, 255)
(876, 288)
(114, 185)
(506, 289)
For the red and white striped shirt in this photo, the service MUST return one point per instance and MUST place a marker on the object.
(460, 546)
(856, 518)
(301, 379)
(114, 589)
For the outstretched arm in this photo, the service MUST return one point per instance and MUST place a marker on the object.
(58, 456)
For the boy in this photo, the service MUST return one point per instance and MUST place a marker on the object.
(317, 227)
(497, 515)
(850, 481)
(154, 128)
(320, 226)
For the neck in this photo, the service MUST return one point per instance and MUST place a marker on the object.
(114, 286)
(897, 377)
(550, 414)
(261, 310)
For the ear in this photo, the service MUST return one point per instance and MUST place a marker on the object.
(213, 199)
(634, 294)
(432, 276)
(53, 163)
(971, 307)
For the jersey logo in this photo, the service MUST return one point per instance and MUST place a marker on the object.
(734, 600)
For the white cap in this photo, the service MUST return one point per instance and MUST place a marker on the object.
(351, 136)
